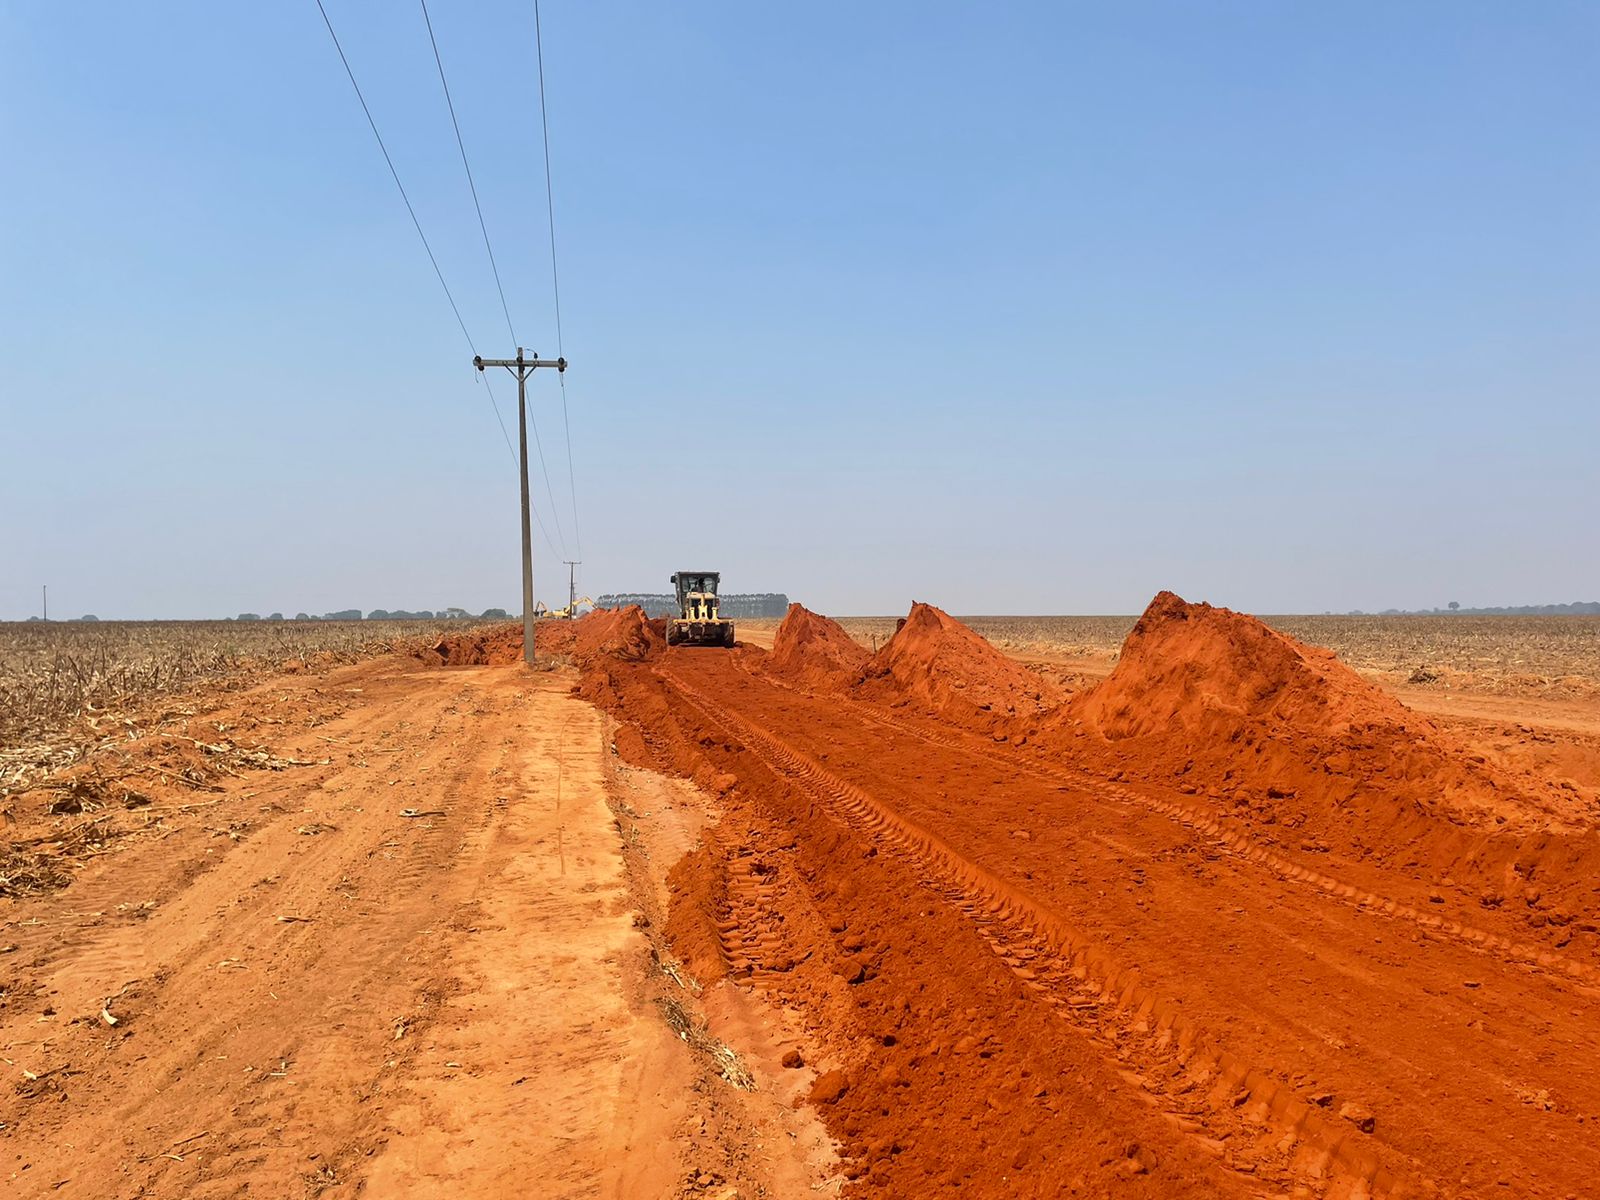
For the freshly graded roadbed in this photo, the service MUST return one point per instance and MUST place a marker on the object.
(1045, 972)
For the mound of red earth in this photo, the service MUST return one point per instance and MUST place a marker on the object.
(614, 632)
(618, 633)
(1277, 733)
(937, 663)
(815, 652)
(498, 646)
(1210, 673)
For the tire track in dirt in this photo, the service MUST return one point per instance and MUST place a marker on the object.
(273, 1011)
(1204, 1090)
(750, 937)
(140, 878)
(1241, 846)
(324, 1031)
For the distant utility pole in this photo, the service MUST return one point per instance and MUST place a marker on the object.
(572, 586)
(522, 367)
(46, 601)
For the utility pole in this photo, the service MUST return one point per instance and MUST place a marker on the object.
(46, 601)
(523, 367)
(572, 587)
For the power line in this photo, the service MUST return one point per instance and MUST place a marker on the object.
(545, 533)
(395, 175)
(555, 274)
(462, 146)
(454, 308)
(488, 246)
(545, 471)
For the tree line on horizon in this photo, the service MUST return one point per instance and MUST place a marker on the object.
(775, 604)
(346, 614)
(1578, 608)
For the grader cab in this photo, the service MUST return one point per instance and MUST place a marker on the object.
(698, 622)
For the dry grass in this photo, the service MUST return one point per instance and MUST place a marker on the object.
(59, 682)
(55, 671)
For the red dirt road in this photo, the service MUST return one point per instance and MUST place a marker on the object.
(410, 968)
(1033, 981)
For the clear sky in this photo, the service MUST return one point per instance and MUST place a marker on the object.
(1012, 308)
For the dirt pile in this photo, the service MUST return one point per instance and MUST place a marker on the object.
(843, 851)
(1277, 733)
(498, 646)
(1213, 672)
(815, 652)
(935, 661)
(618, 633)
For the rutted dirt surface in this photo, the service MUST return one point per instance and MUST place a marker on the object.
(1231, 922)
(1046, 961)
(411, 959)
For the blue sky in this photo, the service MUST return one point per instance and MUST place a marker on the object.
(1011, 308)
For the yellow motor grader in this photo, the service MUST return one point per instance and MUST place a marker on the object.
(698, 622)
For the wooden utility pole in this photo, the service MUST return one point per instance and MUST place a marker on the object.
(522, 367)
(572, 587)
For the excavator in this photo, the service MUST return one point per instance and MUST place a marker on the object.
(698, 622)
(568, 612)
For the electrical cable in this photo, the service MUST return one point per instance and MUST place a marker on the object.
(454, 308)
(555, 275)
(483, 377)
(466, 166)
(395, 175)
(494, 267)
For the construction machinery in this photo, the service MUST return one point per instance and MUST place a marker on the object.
(698, 622)
(570, 612)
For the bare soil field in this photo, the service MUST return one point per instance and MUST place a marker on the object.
(1181, 907)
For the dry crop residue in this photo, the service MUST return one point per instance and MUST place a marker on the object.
(1073, 963)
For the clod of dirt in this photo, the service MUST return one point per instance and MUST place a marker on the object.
(1358, 1115)
(829, 1088)
(812, 650)
(936, 661)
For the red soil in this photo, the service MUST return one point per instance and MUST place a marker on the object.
(813, 651)
(937, 663)
(1278, 733)
(499, 646)
(950, 1077)
(618, 633)
(1211, 673)
(1040, 970)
